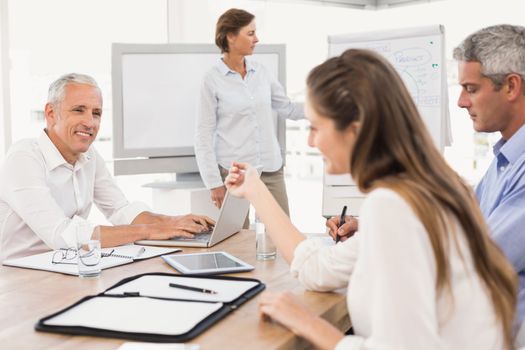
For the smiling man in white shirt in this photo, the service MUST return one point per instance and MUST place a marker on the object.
(48, 184)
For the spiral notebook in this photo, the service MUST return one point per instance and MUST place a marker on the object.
(111, 257)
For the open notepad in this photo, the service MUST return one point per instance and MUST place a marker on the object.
(153, 286)
(111, 257)
(146, 308)
(136, 315)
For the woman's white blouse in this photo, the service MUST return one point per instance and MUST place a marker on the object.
(390, 271)
(237, 118)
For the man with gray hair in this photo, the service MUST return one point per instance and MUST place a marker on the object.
(492, 75)
(47, 185)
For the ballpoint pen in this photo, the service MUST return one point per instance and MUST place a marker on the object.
(341, 222)
(193, 289)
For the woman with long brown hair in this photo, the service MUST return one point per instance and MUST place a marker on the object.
(422, 272)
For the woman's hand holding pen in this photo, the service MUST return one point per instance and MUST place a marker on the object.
(344, 231)
(242, 180)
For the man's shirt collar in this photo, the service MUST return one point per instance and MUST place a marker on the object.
(512, 148)
(53, 156)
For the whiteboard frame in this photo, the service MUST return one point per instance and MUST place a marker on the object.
(185, 153)
(382, 35)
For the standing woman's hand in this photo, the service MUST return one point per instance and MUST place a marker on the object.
(217, 196)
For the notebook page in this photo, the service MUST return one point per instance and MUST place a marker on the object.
(139, 252)
(43, 261)
(138, 315)
(156, 346)
(158, 286)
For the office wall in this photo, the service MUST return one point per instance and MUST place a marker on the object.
(5, 120)
(53, 37)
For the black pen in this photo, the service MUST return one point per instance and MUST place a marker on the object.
(341, 223)
(194, 289)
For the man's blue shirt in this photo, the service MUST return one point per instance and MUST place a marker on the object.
(501, 195)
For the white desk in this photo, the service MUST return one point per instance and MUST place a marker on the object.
(28, 295)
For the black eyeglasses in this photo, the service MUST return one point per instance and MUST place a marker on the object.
(64, 256)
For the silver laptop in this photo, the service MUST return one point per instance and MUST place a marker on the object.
(231, 219)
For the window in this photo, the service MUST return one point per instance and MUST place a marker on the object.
(54, 37)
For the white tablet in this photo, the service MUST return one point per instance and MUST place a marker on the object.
(208, 263)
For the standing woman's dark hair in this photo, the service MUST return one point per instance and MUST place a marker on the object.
(230, 22)
(393, 149)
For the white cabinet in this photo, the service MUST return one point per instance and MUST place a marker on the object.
(338, 191)
(177, 198)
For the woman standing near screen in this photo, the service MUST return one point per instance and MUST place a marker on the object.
(235, 122)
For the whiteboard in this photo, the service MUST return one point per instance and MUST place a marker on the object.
(156, 92)
(419, 57)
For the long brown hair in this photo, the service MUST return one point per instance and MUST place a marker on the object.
(393, 149)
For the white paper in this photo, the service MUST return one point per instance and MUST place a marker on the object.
(418, 56)
(137, 315)
(147, 251)
(43, 261)
(158, 286)
(156, 346)
(130, 250)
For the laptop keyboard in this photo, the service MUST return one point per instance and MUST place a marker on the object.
(201, 236)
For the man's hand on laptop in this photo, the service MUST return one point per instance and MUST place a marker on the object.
(179, 226)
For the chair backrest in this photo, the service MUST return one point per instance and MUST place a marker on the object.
(520, 337)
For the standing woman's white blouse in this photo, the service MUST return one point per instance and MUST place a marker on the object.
(235, 121)
(390, 271)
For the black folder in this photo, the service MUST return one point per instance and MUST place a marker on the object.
(147, 299)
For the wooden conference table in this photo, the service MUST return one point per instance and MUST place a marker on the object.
(28, 295)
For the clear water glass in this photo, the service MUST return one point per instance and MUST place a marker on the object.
(88, 251)
(265, 249)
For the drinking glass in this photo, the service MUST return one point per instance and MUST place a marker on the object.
(265, 249)
(88, 251)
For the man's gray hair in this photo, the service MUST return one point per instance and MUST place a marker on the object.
(57, 88)
(500, 50)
